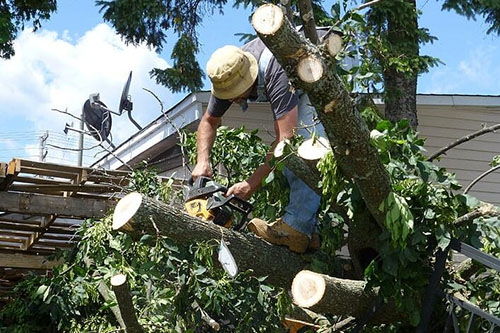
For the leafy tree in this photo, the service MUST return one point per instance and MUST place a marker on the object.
(14, 14)
(377, 183)
(396, 41)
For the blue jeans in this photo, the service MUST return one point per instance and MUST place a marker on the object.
(300, 213)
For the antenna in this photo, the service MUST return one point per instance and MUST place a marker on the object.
(97, 116)
(126, 103)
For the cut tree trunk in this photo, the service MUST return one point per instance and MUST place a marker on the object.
(324, 294)
(137, 214)
(303, 162)
(346, 131)
(121, 289)
(333, 44)
(104, 291)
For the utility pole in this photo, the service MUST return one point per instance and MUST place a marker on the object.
(80, 142)
(43, 147)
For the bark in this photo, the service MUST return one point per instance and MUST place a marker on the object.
(346, 130)
(324, 294)
(104, 291)
(467, 268)
(400, 97)
(303, 162)
(362, 245)
(401, 88)
(307, 16)
(305, 171)
(138, 215)
(121, 289)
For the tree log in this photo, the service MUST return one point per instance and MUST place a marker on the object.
(303, 162)
(137, 214)
(324, 294)
(345, 129)
(104, 291)
(333, 44)
(124, 299)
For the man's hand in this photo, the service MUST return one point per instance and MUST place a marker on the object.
(202, 169)
(242, 190)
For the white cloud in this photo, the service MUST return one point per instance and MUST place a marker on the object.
(479, 67)
(54, 71)
(477, 73)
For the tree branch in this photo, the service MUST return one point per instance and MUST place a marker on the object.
(307, 17)
(464, 139)
(481, 176)
(122, 291)
(484, 210)
(365, 5)
(179, 133)
(345, 128)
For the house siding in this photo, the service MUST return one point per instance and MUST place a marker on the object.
(439, 124)
(442, 125)
(258, 116)
(442, 120)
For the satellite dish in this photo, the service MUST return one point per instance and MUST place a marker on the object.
(125, 103)
(97, 118)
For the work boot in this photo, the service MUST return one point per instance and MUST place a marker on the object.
(280, 233)
(315, 242)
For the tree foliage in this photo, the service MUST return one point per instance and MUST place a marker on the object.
(488, 9)
(173, 287)
(13, 16)
(152, 21)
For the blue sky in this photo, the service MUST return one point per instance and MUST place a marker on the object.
(76, 54)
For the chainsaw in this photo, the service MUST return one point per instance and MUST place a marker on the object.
(206, 199)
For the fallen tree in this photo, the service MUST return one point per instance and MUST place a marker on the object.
(137, 214)
(325, 294)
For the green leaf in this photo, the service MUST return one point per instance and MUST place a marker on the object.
(410, 254)
(414, 317)
(41, 290)
(115, 244)
(429, 214)
(200, 270)
(390, 265)
(444, 241)
(46, 293)
(269, 178)
(145, 238)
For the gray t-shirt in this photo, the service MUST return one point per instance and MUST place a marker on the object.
(277, 88)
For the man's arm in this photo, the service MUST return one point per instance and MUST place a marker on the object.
(205, 138)
(284, 127)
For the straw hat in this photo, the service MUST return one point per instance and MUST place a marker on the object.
(232, 71)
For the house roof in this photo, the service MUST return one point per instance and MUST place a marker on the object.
(158, 135)
(161, 134)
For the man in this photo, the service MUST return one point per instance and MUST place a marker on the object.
(253, 73)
